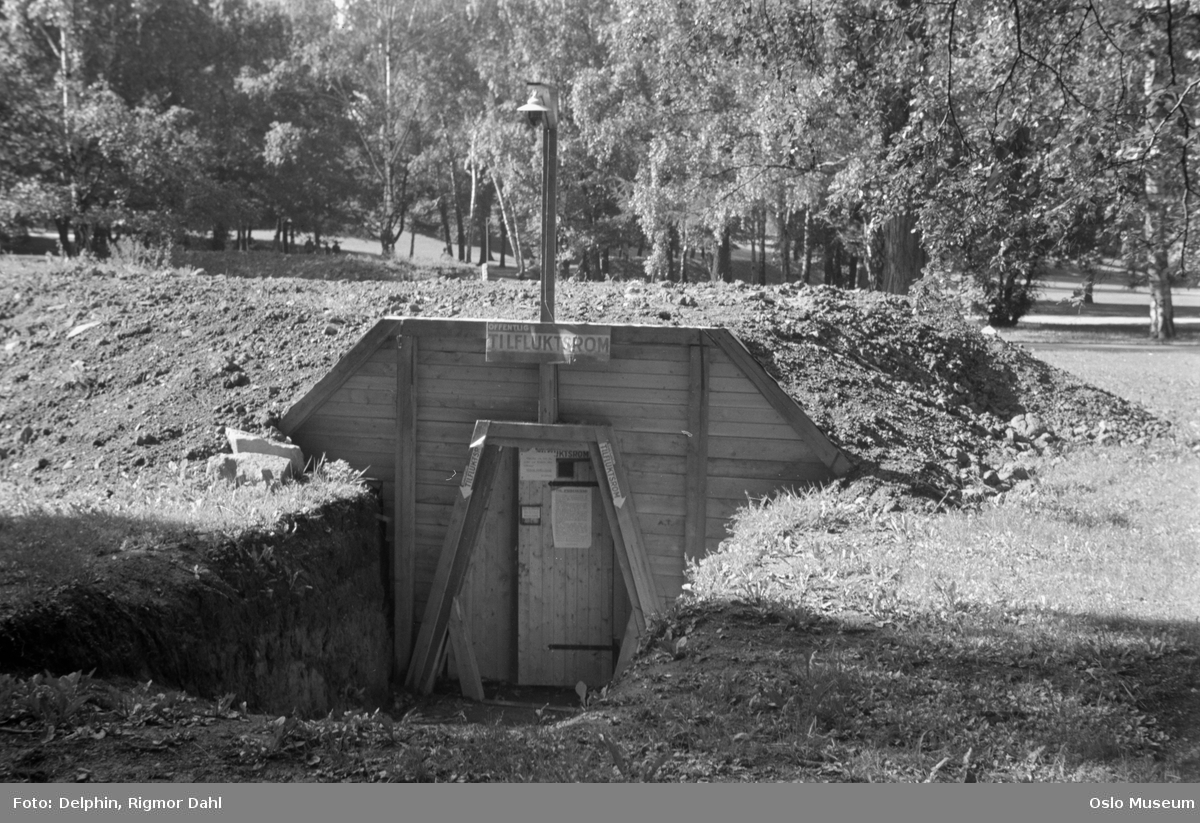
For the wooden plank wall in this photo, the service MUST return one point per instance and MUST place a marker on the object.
(456, 387)
(642, 392)
(752, 451)
(357, 423)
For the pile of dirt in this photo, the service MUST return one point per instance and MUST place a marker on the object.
(107, 374)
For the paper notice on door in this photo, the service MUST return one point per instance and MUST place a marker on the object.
(571, 517)
(537, 464)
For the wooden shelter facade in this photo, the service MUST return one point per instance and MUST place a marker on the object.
(544, 483)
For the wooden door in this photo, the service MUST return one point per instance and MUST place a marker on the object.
(565, 597)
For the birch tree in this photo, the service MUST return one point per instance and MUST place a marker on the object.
(370, 63)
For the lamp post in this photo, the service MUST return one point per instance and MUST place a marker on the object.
(542, 110)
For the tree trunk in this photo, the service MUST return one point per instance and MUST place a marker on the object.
(1087, 291)
(674, 264)
(458, 215)
(808, 245)
(876, 249)
(1162, 309)
(753, 246)
(839, 254)
(69, 57)
(829, 273)
(486, 196)
(511, 229)
(723, 259)
(474, 169)
(66, 248)
(761, 225)
(401, 222)
(387, 240)
(503, 241)
(903, 257)
(852, 272)
(444, 213)
(1158, 188)
(784, 218)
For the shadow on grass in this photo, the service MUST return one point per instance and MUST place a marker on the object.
(71, 584)
(1028, 696)
(40, 550)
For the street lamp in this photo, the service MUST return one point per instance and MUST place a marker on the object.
(542, 111)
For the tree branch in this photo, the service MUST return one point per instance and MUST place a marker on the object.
(950, 115)
(1171, 43)
(1167, 117)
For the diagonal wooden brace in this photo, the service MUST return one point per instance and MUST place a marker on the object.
(466, 522)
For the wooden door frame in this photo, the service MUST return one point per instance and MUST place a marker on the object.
(466, 523)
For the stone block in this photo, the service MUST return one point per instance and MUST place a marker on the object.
(249, 468)
(221, 467)
(245, 443)
(263, 468)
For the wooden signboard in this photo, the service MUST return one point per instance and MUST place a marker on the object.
(546, 343)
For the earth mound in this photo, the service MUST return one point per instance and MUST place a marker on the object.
(109, 374)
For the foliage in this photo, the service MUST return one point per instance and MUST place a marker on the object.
(104, 105)
(1066, 129)
(1016, 132)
